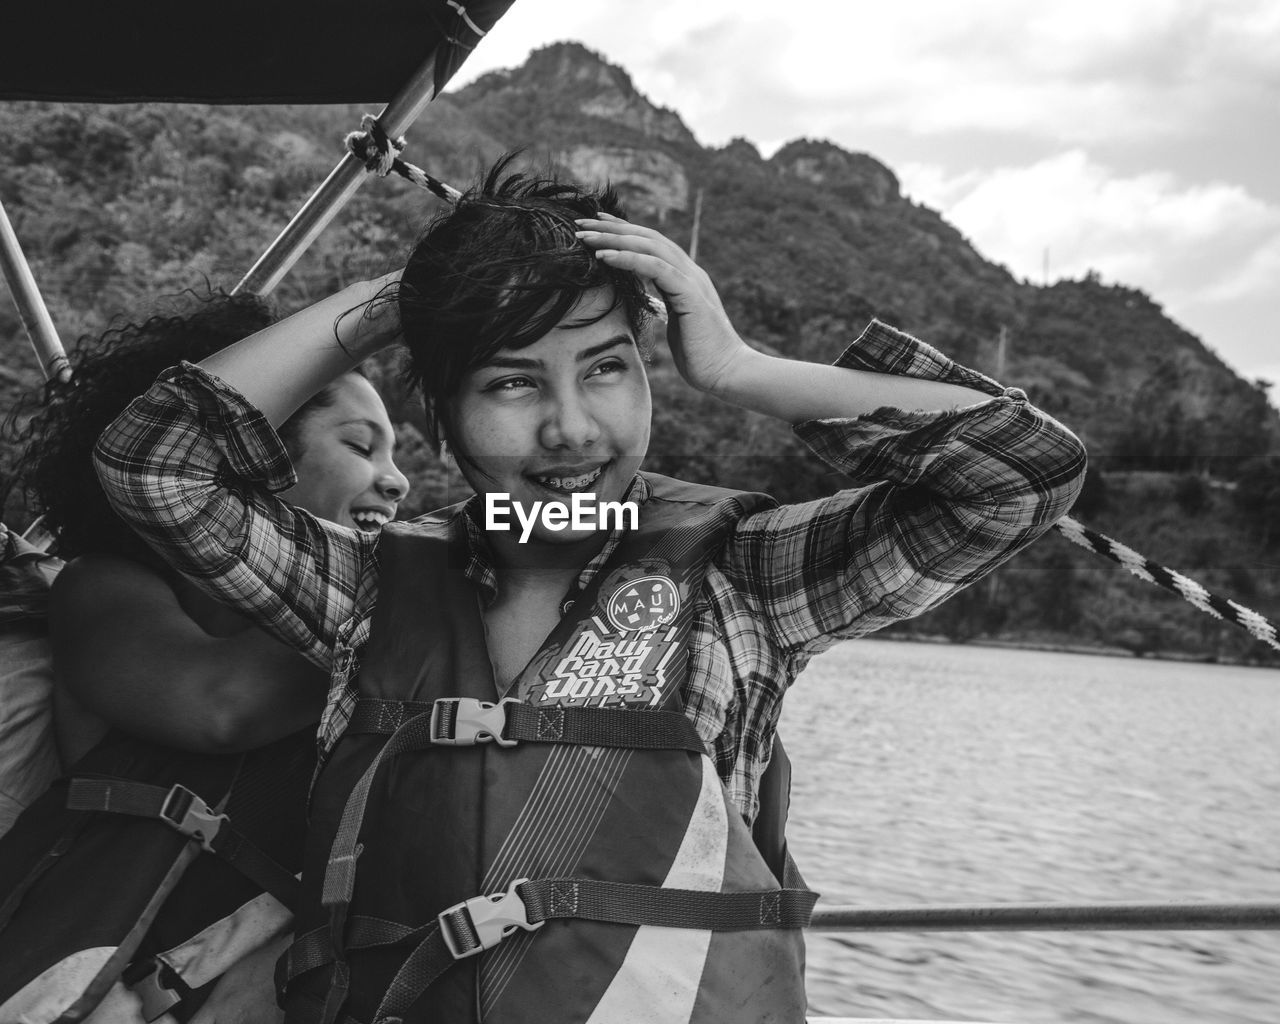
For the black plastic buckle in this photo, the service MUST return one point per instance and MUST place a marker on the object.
(157, 998)
(490, 918)
(188, 814)
(466, 721)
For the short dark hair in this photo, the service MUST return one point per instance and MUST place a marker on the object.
(499, 270)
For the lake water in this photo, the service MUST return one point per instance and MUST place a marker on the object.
(949, 774)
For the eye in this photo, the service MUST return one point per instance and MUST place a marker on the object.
(607, 367)
(508, 385)
(363, 450)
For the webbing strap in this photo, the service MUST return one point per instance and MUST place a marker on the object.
(340, 872)
(484, 921)
(625, 903)
(312, 950)
(419, 971)
(457, 717)
(184, 811)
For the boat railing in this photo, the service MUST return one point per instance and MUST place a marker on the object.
(990, 917)
(1126, 916)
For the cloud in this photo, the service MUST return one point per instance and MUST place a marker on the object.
(1072, 73)
(1150, 226)
(1066, 73)
(1208, 252)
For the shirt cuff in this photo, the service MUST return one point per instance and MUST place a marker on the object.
(251, 446)
(884, 349)
(894, 444)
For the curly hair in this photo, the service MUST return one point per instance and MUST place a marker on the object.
(56, 467)
(500, 270)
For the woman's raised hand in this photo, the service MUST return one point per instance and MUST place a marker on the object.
(703, 343)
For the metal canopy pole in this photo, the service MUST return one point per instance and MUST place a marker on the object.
(1050, 917)
(31, 308)
(337, 188)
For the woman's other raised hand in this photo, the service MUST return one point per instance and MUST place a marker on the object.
(706, 348)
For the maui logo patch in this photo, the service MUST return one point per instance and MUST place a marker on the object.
(600, 670)
(644, 604)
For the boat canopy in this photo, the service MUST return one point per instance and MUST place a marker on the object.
(235, 51)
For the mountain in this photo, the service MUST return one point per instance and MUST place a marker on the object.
(817, 234)
(118, 206)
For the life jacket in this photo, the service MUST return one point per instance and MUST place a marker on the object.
(143, 874)
(583, 864)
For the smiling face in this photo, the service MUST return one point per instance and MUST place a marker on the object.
(343, 459)
(569, 413)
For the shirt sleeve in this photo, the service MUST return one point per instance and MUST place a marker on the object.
(946, 497)
(194, 468)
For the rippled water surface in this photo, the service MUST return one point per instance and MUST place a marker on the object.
(947, 774)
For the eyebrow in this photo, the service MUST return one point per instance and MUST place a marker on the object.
(373, 425)
(525, 363)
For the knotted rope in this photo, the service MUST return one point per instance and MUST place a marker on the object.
(380, 155)
(1162, 576)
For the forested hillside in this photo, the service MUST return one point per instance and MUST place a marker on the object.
(122, 207)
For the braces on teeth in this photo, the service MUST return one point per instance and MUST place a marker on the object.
(570, 483)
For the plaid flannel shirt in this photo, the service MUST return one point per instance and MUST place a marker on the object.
(946, 497)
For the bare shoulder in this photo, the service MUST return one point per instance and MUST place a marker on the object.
(108, 588)
(102, 578)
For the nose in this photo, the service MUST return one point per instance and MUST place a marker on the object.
(569, 422)
(391, 483)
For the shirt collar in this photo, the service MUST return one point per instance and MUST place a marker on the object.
(478, 555)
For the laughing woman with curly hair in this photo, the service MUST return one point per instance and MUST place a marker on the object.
(161, 689)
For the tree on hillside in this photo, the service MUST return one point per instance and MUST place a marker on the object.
(1257, 494)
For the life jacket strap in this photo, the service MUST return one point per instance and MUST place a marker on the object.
(312, 950)
(629, 903)
(482, 922)
(185, 812)
(465, 721)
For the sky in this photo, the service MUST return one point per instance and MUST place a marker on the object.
(1139, 139)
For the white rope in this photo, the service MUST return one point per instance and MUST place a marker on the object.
(462, 13)
(1219, 607)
